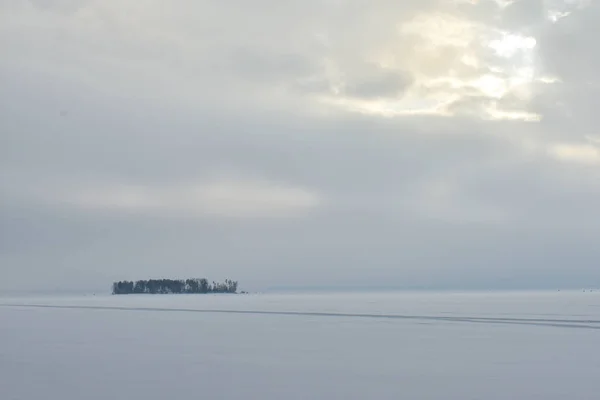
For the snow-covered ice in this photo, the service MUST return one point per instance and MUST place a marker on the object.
(302, 346)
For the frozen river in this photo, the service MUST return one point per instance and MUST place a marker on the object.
(302, 346)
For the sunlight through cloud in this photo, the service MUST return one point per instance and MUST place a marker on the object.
(453, 59)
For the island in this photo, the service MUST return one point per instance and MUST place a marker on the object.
(174, 286)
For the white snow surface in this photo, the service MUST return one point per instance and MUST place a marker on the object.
(537, 345)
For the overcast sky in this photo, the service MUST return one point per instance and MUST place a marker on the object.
(373, 143)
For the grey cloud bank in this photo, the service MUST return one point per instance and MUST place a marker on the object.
(425, 144)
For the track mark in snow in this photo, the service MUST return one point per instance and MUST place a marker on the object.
(557, 323)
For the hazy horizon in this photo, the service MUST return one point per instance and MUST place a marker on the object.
(309, 290)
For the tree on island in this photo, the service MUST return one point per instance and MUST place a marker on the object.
(173, 286)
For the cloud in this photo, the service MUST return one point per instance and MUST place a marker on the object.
(224, 198)
(443, 199)
(405, 142)
(578, 153)
(418, 58)
(452, 54)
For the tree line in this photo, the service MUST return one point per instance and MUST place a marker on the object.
(176, 286)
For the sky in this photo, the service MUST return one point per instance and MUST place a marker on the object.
(319, 143)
